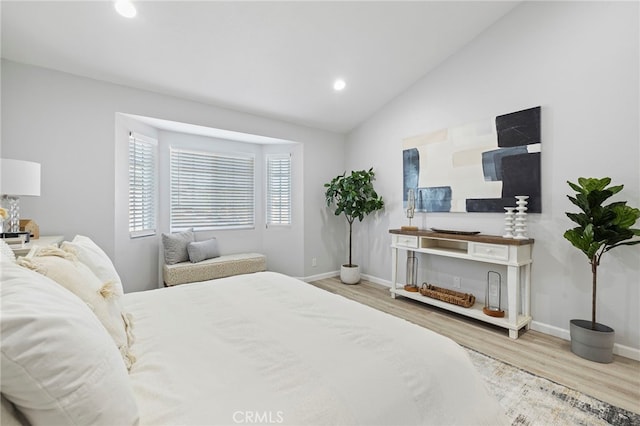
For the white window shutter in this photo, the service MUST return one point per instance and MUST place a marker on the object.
(211, 191)
(142, 185)
(279, 189)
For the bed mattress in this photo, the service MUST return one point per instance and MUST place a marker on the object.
(270, 349)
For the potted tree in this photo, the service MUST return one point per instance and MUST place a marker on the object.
(353, 196)
(600, 229)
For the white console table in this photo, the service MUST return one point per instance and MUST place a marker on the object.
(515, 254)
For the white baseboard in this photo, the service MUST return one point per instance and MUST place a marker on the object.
(376, 280)
(626, 351)
(337, 274)
(320, 276)
(550, 329)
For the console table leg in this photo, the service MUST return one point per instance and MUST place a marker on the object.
(513, 290)
(394, 271)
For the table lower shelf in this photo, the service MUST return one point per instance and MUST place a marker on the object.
(473, 312)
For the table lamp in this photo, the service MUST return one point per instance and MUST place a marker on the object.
(17, 179)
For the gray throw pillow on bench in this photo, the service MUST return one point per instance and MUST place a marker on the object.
(175, 246)
(203, 250)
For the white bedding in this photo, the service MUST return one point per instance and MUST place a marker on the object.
(267, 348)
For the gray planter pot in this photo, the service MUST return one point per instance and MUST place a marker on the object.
(594, 345)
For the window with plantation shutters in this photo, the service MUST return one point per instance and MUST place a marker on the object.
(211, 190)
(142, 185)
(279, 189)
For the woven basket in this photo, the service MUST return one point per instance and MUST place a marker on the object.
(450, 296)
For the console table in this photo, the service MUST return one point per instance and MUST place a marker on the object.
(515, 254)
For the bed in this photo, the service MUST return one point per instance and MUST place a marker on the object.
(261, 348)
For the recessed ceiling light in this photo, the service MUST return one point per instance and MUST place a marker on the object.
(339, 85)
(125, 8)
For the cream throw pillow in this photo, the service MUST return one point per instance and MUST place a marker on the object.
(89, 253)
(65, 269)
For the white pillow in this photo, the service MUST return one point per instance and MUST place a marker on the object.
(5, 251)
(65, 269)
(95, 258)
(59, 366)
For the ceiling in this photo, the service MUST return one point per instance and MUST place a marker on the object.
(273, 59)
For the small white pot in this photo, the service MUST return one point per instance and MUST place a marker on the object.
(350, 274)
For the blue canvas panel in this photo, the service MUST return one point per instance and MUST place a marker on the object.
(411, 171)
(492, 161)
(433, 199)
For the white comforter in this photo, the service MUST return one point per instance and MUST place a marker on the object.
(266, 348)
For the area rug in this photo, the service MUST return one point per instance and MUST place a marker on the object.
(532, 400)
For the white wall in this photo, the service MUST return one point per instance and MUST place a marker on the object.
(137, 260)
(68, 124)
(285, 244)
(579, 62)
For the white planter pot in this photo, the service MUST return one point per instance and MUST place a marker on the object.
(350, 274)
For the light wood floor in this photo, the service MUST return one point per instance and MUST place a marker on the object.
(617, 383)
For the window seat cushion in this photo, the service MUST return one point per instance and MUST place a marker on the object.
(218, 267)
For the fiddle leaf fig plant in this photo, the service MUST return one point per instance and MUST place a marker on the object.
(353, 196)
(601, 227)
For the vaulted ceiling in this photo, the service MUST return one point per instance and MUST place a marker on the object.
(274, 59)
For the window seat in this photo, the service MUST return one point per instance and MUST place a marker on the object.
(218, 267)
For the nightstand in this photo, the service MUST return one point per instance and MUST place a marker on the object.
(22, 250)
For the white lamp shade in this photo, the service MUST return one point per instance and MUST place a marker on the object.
(19, 178)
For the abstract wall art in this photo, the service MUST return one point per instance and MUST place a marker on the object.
(477, 167)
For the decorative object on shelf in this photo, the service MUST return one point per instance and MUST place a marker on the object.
(493, 295)
(450, 296)
(600, 229)
(18, 179)
(454, 232)
(412, 272)
(509, 220)
(520, 226)
(446, 178)
(411, 208)
(354, 197)
(30, 226)
(15, 239)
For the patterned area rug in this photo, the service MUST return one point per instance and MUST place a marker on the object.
(532, 400)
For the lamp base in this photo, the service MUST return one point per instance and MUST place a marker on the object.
(408, 228)
(12, 223)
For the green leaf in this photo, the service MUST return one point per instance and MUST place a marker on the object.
(625, 216)
(575, 187)
(594, 184)
(600, 227)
